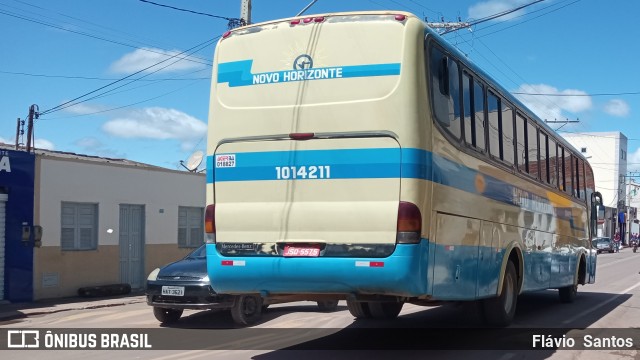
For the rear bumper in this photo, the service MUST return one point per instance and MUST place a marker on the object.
(401, 274)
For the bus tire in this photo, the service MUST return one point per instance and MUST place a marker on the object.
(499, 311)
(359, 309)
(246, 309)
(167, 316)
(385, 310)
(568, 293)
(328, 305)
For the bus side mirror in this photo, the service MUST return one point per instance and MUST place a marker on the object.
(600, 212)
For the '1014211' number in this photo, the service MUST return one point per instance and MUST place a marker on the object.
(303, 172)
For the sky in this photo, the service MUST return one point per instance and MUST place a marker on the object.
(580, 54)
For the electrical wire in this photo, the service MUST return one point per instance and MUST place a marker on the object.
(94, 36)
(91, 78)
(66, 104)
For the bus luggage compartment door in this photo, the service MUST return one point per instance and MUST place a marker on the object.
(338, 192)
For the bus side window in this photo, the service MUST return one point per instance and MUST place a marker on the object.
(479, 119)
(507, 133)
(553, 161)
(532, 150)
(521, 130)
(495, 127)
(445, 89)
(544, 157)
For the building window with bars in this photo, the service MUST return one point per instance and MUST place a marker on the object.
(190, 226)
(79, 229)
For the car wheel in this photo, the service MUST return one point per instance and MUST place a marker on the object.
(246, 309)
(167, 316)
(385, 310)
(328, 305)
(499, 311)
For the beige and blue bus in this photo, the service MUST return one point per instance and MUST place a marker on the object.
(358, 156)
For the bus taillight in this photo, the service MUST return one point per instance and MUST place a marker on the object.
(409, 223)
(301, 136)
(210, 223)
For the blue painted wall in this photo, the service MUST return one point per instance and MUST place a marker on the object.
(17, 170)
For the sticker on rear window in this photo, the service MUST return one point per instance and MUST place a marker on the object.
(226, 161)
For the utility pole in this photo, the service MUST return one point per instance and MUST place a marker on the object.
(18, 135)
(245, 11)
(32, 113)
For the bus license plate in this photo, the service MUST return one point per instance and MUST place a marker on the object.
(301, 251)
(173, 290)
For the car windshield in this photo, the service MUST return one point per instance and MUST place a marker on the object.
(603, 240)
(199, 253)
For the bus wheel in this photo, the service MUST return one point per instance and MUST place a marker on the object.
(328, 305)
(568, 293)
(167, 316)
(246, 309)
(499, 311)
(385, 310)
(359, 309)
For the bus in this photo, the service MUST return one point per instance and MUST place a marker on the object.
(358, 156)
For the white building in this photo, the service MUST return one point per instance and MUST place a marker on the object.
(607, 155)
(104, 221)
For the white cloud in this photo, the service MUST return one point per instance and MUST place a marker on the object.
(158, 123)
(142, 58)
(552, 107)
(491, 7)
(83, 109)
(44, 144)
(7, 141)
(617, 107)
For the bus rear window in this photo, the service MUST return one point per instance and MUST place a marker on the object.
(445, 91)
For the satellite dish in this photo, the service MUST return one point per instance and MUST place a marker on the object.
(194, 161)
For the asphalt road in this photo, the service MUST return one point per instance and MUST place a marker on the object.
(299, 330)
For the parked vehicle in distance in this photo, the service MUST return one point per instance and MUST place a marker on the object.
(184, 284)
(603, 244)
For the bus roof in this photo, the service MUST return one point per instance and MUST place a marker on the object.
(429, 32)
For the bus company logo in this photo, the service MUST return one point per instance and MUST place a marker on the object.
(303, 62)
(226, 161)
(23, 339)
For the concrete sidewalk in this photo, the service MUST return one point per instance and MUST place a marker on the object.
(14, 311)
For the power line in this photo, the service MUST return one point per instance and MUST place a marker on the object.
(66, 104)
(233, 22)
(123, 106)
(89, 77)
(94, 36)
(525, 21)
(497, 15)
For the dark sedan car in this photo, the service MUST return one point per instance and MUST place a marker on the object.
(603, 244)
(184, 284)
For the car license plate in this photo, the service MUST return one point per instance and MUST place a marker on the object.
(301, 251)
(173, 290)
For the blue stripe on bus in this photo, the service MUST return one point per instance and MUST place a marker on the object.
(238, 73)
(376, 163)
(344, 164)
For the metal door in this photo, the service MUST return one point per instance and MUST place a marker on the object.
(132, 245)
(3, 199)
